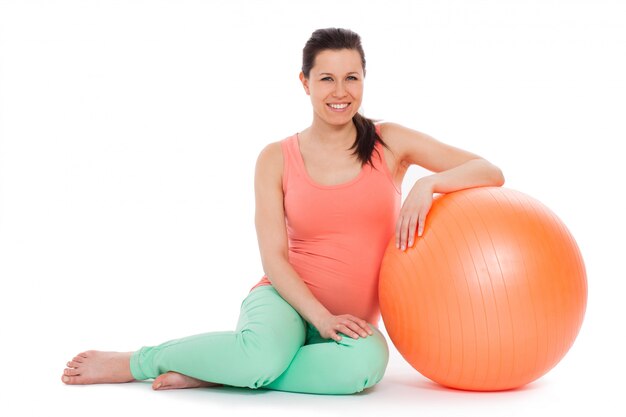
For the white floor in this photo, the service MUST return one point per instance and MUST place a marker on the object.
(581, 383)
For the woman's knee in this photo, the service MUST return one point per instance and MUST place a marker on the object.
(265, 370)
(270, 333)
(372, 349)
(267, 358)
(370, 357)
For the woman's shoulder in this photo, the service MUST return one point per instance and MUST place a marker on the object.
(275, 149)
(399, 137)
(393, 130)
(392, 134)
(271, 154)
(271, 158)
(269, 165)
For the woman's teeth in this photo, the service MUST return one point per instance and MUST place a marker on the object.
(339, 106)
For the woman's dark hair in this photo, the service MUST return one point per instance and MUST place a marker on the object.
(337, 39)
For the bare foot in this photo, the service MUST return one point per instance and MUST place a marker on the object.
(174, 380)
(95, 367)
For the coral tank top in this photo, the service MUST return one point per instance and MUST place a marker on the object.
(338, 233)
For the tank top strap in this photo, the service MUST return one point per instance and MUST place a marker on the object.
(380, 163)
(290, 161)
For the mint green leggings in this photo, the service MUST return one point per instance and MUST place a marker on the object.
(273, 347)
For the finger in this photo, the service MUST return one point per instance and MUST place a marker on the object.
(335, 336)
(420, 226)
(404, 232)
(408, 231)
(358, 328)
(413, 224)
(350, 332)
(345, 328)
(398, 231)
(363, 324)
(357, 331)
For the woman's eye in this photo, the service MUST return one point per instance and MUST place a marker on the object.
(327, 79)
(353, 78)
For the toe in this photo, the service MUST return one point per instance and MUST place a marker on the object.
(159, 382)
(71, 380)
(79, 359)
(73, 364)
(71, 372)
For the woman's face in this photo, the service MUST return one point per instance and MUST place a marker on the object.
(335, 85)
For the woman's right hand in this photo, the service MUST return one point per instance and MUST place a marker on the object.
(330, 327)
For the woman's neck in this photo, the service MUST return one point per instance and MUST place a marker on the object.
(331, 136)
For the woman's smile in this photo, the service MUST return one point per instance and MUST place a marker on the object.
(338, 107)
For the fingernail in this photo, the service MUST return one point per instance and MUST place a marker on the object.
(158, 385)
(65, 379)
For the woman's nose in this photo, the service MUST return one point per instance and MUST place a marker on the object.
(340, 90)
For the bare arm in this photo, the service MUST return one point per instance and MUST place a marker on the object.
(273, 245)
(453, 169)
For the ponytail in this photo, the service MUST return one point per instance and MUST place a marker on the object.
(366, 138)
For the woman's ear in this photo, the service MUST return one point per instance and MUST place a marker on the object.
(305, 83)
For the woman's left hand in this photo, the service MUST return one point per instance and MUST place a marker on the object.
(413, 213)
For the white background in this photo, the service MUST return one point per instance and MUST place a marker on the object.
(129, 131)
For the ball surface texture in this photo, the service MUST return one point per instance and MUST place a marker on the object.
(491, 297)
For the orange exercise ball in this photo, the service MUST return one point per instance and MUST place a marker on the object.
(492, 295)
